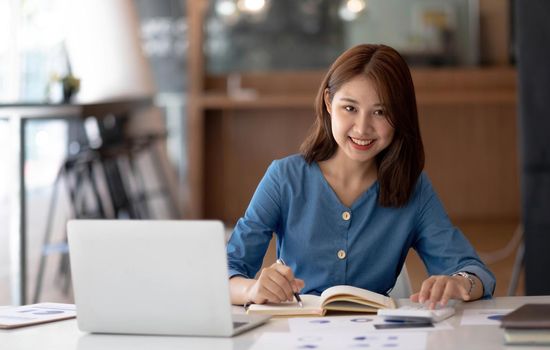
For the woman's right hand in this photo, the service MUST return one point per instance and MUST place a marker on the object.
(275, 284)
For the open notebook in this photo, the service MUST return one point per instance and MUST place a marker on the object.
(337, 298)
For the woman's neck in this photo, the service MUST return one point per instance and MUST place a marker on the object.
(347, 171)
(348, 179)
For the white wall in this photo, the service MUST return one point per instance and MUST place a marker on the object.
(104, 50)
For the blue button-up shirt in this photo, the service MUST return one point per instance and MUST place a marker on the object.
(327, 243)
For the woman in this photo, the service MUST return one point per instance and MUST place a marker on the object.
(348, 208)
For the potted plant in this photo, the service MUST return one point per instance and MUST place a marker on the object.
(71, 85)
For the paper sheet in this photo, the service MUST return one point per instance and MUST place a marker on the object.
(34, 314)
(477, 317)
(359, 323)
(395, 340)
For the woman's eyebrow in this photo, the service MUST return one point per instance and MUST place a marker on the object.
(349, 99)
(352, 100)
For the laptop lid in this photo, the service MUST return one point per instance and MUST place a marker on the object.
(150, 277)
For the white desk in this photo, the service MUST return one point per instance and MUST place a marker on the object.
(65, 335)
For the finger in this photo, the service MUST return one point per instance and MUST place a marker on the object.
(269, 282)
(437, 290)
(285, 271)
(265, 295)
(274, 288)
(448, 293)
(283, 285)
(424, 293)
(299, 284)
(414, 297)
(261, 294)
(463, 292)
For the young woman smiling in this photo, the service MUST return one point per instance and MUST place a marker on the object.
(351, 205)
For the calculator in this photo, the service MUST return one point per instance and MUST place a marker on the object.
(417, 312)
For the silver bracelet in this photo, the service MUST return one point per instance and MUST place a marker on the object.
(469, 277)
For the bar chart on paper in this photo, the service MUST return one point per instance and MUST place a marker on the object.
(341, 341)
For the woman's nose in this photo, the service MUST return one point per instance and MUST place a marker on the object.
(364, 123)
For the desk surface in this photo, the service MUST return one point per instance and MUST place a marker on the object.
(65, 335)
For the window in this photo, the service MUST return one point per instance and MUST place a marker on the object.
(31, 48)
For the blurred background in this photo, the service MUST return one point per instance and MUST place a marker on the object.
(174, 109)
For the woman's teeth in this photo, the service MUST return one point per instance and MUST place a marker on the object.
(362, 142)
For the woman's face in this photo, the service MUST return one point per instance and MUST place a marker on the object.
(359, 121)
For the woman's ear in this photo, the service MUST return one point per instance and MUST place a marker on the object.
(326, 98)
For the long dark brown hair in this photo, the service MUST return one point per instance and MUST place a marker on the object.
(401, 163)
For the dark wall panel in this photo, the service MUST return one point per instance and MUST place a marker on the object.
(533, 59)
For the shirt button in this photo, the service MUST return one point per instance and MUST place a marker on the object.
(346, 215)
(341, 254)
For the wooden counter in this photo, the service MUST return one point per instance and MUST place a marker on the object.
(468, 122)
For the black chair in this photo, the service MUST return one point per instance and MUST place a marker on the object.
(77, 174)
(104, 181)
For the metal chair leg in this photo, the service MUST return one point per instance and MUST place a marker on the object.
(47, 236)
(156, 156)
(518, 266)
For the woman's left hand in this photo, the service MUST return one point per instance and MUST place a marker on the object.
(440, 289)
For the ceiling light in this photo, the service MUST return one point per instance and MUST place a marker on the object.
(350, 9)
(226, 8)
(251, 6)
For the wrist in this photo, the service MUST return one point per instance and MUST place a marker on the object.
(463, 282)
(469, 280)
(240, 289)
(248, 290)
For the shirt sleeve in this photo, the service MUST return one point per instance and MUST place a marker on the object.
(250, 239)
(441, 246)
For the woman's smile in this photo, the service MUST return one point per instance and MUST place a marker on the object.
(361, 144)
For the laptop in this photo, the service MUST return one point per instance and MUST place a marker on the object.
(153, 277)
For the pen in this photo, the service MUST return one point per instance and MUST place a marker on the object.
(296, 295)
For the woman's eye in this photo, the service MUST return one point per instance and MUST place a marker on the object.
(350, 108)
(379, 112)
